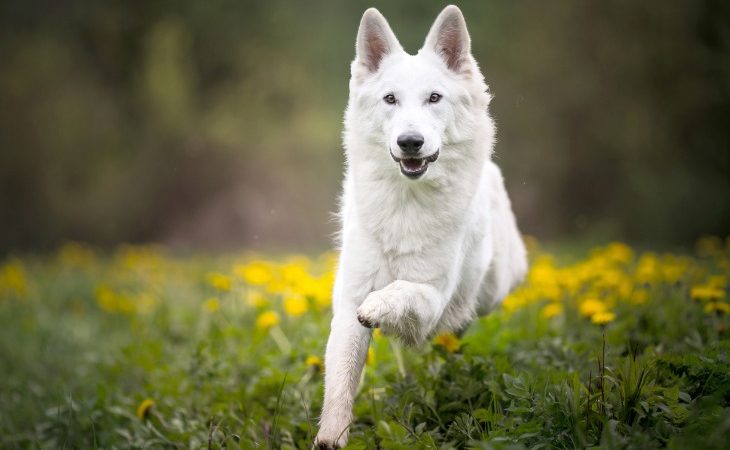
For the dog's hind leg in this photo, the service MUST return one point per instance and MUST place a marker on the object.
(347, 349)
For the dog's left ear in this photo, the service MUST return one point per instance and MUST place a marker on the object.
(449, 38)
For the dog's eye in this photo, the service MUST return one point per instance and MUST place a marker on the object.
(390, 99)
(434, 98)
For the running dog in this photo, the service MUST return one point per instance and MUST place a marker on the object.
(428, 237)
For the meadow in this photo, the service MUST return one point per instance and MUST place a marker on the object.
(142, 348)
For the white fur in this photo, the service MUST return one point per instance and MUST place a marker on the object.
(425, 255)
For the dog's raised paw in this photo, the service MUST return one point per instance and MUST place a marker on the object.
(324, 445)
(367, 323)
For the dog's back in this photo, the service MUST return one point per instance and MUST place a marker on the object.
(509, 262)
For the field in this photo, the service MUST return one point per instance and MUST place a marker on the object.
(140, 348)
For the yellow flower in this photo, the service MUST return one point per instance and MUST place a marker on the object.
(448, 341)
(591, 306)
(255, 299)
(551, 310)
(717, 281)
(647, 270)
(515, 300)
(543, 271)
(602, 318)
(323, 294)
(295, 305)
(267, 319)
(212, 304)
(706, 292)
(144, 408)
(13, 280)
(276, 286)
(377, 334)
(314, 361)
(257, 273)
(371, 356)
(106, 299)
(220, 282)
(718, 307)
(619, 252)
(295, 277)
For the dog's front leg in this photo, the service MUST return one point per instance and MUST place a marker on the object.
(405, 309)
(347, 349)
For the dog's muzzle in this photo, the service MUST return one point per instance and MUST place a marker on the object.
(414, 167)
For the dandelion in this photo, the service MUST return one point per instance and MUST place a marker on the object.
(717, 307)
(673, 269)
(266, 320)
(647, 270)
(106, 299)
(448, 341)
(144, 408)
(377, 334)
(551, 310)
(13, 280)
(515, 300)
(323, 293)
(591, 306)
(602, 318)
(295, 305)
(543, 271)
(276, 286)
(619, 252)
(706, 292)
(717, 281)
(295, 277)
(257, 273)
(314, 362)
(371, 357)
(220, 282)
(212, 304)
(255, 299)
(126, 303)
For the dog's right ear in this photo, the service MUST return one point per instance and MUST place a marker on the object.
(375, 40)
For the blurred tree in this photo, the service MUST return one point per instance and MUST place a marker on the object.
(218, 123)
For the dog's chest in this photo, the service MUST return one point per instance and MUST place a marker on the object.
(409, 221)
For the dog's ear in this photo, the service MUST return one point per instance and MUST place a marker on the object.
(450, 40)
(375, 40)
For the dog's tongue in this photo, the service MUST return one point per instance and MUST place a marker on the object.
(413, 164)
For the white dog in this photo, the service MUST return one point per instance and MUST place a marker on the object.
(429, 240)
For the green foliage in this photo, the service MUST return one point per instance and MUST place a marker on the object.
(80, 371)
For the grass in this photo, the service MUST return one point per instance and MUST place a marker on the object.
(140, 349)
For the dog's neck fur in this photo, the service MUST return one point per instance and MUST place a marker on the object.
(409, 215)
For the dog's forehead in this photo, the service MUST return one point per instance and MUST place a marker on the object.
(420, 71)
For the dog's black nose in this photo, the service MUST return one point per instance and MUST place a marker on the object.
(410, 143)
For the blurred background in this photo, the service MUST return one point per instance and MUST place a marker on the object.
(216, 124)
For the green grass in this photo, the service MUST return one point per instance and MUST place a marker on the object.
(74, 373)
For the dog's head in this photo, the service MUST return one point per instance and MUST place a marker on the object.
(415, 109)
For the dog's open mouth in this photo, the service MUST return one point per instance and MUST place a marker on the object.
(414, 167)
